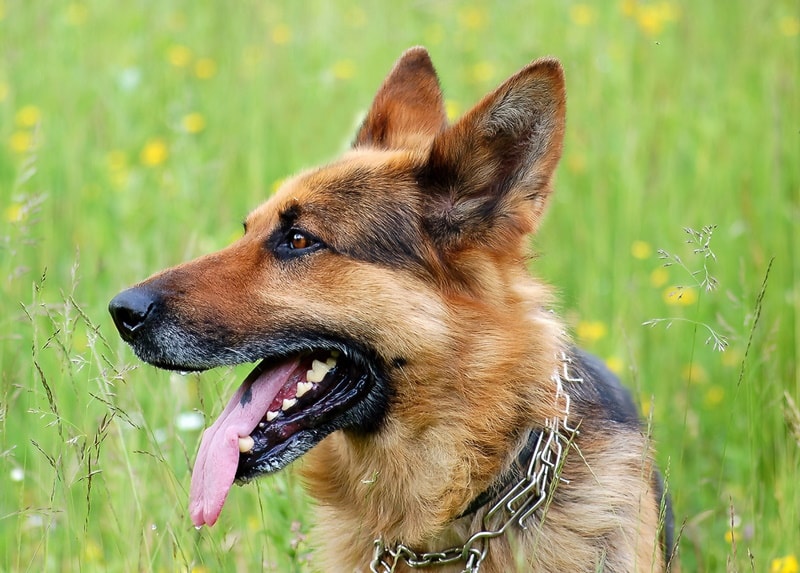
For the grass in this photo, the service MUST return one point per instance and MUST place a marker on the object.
(136, 135)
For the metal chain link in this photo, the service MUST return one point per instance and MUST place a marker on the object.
(522, 501)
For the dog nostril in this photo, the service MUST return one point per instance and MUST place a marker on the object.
(131, 309)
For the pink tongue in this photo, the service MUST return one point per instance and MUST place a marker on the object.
(218, 456)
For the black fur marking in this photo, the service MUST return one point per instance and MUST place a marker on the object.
(389, 232)
(602, 388)
(357, 402)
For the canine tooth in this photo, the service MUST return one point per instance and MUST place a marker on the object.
(303, 387)
(317, 372)
(288, 403)
(246, 444)
(272, 415)
(330, 362)
(335, 354)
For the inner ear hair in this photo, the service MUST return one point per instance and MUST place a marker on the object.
(408, 110)
(490, 173)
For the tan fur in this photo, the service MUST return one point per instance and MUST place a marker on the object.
(426, 230)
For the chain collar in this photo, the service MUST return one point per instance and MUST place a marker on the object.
(515, 507)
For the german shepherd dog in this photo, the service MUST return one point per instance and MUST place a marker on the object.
(404, 350)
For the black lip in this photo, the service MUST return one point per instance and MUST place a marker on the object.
(347, 401)
(354, 396)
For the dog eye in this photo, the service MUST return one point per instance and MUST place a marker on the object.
(297, 243)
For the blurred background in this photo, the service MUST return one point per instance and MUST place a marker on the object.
(136, 135)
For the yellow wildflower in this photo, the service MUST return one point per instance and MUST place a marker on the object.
(15, 213)
(591, 331)
(628, 7)
(28, 116)
(179, 56)
(576, 162)
(731, 357)
(92, 552)
(77, 13)
(615, 364)
(205, 68)
(281, 34)
(694, 373)
(732, 535)
(21, 142)
(653, 17)
(482, 71)
(344, 69)
(582, 14)
(253, 524)
(472, 18)
(154, 152)
(452, 109)
(659, 277)
(787, 564)
(680, 296)
(789, 26)
(641, 250)
(714, 396)
(193, 122)
(277, 184)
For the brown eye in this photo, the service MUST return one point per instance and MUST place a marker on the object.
(299, 241)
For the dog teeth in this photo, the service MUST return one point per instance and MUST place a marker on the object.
(288, 403)
(303, 387)
(272, 415)
(246, 444)
(318, 371)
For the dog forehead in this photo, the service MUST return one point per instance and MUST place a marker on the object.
(360, 182)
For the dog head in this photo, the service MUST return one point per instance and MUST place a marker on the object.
(347, 283)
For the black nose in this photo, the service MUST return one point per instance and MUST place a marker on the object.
(132, 309)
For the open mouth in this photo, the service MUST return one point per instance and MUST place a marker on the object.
(282, 409)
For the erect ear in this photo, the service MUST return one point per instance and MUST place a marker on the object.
(489, 175)
(408, 109)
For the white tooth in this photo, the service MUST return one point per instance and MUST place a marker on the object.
(317, 372)
(272, 415)
(246, 444)
(303, 387)
(330, 362)
(334, 354)
(288, 403)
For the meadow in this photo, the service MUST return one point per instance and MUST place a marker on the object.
(135, 135)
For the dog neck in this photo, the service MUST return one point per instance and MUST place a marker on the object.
(451, 435)
(515, 497)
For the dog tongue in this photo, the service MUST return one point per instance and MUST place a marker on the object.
(218, 457)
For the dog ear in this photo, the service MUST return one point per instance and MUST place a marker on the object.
(408, 109)
(489, 175)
